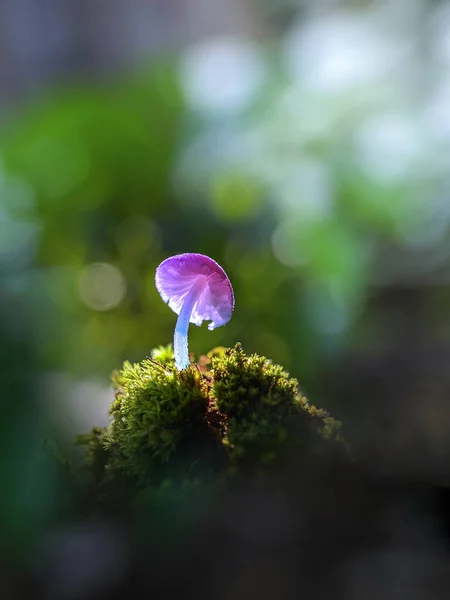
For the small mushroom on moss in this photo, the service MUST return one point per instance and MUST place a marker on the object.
(196, 288)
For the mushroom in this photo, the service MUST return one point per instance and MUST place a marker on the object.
(196, 288)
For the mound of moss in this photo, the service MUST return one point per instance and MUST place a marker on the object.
(229, 413)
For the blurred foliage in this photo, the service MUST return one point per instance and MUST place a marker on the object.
(91, 167)
(309, 167)
(292, 183)
(100, 176)
(32, 498)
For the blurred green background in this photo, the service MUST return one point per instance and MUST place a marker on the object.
(304, 145)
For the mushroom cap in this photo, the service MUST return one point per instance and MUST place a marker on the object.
(175, 277)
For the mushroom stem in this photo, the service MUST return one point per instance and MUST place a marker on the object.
(180, 338)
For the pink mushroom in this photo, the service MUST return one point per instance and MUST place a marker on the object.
(196, 288)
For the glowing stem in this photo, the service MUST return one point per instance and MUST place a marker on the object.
(180, 338)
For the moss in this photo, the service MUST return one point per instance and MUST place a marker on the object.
(163, 355)
(159, 416)
(230, 412)
(267, 415)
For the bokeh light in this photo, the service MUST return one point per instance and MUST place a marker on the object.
(102, 286)
(221, 75)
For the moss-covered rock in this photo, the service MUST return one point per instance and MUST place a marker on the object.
(228, 413)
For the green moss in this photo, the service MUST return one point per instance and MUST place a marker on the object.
(267, 415)
(229, 412)
(159, 418)
(163, 355)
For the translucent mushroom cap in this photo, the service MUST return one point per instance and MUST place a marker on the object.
(176, 276)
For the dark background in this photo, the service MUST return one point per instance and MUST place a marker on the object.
(304, 146)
